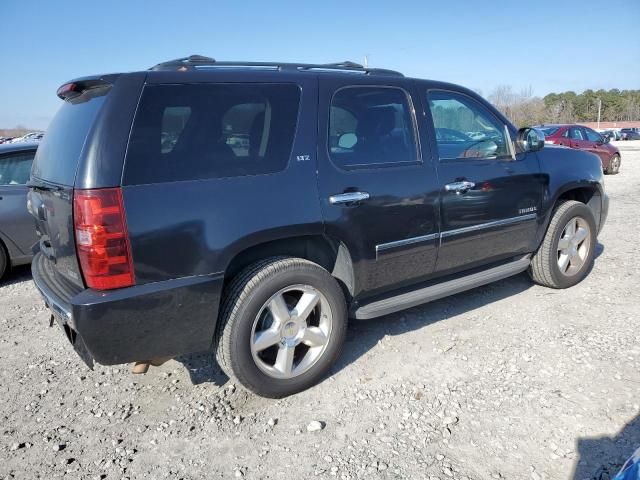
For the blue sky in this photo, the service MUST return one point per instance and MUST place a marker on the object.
(548, 45)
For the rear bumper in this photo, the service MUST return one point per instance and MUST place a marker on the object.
(168, 318)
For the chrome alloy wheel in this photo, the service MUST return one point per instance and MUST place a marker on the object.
(615, 163)
(291, 332)
(574, 246)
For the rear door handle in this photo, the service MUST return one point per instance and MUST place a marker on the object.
(459, 187)
(348, 197)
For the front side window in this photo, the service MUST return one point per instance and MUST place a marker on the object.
(16, 168)
(371, 126)
(592, 135)
(466, 129)
(199, 131)
(576, 133)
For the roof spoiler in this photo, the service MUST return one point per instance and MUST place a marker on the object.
(73, 88)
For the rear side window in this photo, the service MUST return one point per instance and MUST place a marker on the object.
(371, 126)
(60, 149)
(199, 131)
(15, 168)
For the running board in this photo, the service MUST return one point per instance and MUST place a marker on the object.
(441, 290)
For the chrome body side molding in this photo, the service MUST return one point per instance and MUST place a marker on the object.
(385, 247)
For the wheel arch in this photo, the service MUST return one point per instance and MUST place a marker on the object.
(329, 253)
(10, 248)
(590, 195)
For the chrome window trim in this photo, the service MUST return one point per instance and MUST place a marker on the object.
(512, 150)
(450, 233)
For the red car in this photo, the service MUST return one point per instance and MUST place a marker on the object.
(584, 138)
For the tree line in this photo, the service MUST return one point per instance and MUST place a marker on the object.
(523, 108)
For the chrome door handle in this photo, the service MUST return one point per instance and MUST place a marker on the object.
(348, 197)
(459, 187)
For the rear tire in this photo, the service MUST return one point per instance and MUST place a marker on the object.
(282, 325)
(614, 165)
(568, 249)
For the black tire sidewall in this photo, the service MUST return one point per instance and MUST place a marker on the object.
(614, 164)
(242, 362)
(561, 280)
(4, 261)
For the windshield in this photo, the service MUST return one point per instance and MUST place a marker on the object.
(549, 130)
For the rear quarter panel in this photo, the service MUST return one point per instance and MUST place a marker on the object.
(191, 228)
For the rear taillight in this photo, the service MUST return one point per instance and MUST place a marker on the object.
(102, 240)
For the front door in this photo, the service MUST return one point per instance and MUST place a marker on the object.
(489, 196)
(595, 144)
(378, 189)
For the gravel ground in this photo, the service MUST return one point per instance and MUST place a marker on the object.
(510, 381)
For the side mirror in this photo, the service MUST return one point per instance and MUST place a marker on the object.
(606, 139)
(530, 139)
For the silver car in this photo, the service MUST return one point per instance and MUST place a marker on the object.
(17, 228)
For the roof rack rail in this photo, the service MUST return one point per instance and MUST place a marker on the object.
(198, 62)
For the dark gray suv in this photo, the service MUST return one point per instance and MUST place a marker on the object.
(253, 208)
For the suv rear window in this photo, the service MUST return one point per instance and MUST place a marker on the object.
(60, 149)
(199, 131)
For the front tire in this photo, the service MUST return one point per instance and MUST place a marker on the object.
(282, 325)
(568, 249)
(614, 165)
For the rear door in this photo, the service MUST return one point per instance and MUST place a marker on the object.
(378, 193)
(53, 176)
(489, 196)
(15, 222)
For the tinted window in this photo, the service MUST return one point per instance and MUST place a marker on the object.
(15, 168)
(189, 132)
(466, 129)
(173, 121)
(371, 125)
(576, 133)
(592, 135)
(60, 149)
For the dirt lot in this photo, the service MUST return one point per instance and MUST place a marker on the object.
(510, 381)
